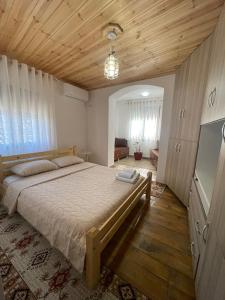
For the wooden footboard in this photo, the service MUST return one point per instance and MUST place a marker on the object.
(98, 238)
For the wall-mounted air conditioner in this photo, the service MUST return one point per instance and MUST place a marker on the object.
(75, 92)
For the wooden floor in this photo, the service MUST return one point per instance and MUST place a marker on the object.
(154, 253)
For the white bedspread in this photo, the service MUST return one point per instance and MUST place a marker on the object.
(64, 204)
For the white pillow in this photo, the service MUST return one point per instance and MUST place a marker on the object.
(10, 179)
(33, 167)
(68, 160)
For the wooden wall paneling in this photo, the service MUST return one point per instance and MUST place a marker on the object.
(64, 37)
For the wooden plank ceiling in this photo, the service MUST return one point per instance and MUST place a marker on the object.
(64, 37)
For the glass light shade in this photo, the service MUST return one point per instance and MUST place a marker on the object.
(111, 70)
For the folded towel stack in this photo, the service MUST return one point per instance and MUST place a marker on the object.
(128, 175)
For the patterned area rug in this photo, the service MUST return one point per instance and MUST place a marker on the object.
(32, 269)
(157, 189)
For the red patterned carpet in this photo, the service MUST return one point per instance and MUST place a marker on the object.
(32, 269)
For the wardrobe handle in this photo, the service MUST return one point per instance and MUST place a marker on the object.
(180, 115)
(204, 232)
(223, 132)
(210, 100)
(193, 249)
(183, 111)
(213, 97)
(197, 227)
(179, 147)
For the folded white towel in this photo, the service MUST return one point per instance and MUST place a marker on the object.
(127, 173)
(129, 180)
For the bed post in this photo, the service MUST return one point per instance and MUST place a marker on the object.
(92, 259)
(149, 183)
(74, 150)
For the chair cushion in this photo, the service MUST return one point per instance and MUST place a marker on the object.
(120, 142)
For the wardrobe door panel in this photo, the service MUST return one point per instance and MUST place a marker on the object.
(194, 241)
(171, 169)
(214, 104)
(185, 169)
(217, 208)
(211, 283)
(179, 100)
(195, 88)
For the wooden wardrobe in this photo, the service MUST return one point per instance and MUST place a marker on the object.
(200, 99)
(186, 116)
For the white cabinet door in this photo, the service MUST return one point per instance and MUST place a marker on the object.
(211, 273)
(212, 277)
(171, 168)
(217, 209)
(179, 100)
(194, 241)
(185, 169)
(198, 215)
(189, 93)
(214, 102)
(195, 89)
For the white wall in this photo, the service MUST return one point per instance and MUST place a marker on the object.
(71, 120)
(98, 120)
(121, 119)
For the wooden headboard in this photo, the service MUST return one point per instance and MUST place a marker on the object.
(6, 162)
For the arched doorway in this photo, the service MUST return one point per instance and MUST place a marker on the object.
(133, 93)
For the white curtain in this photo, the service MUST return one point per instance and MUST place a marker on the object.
(144, 124)
(27, 112)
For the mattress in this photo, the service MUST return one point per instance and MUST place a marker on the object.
(64, 204)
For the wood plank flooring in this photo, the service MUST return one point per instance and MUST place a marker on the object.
(152, 250)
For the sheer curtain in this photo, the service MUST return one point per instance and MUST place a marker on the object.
(27, 112)
(144, 124)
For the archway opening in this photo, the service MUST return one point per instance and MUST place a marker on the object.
(135, 114)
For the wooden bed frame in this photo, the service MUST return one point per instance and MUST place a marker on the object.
(97, 237)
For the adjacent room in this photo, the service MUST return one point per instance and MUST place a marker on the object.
(137, 126)
(112, 150)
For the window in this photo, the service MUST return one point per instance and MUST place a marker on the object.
(26, 109)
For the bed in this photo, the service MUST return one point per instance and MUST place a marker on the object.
(77, 208)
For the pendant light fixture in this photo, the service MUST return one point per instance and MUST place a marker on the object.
(111, 67)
